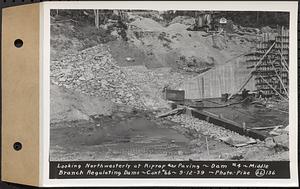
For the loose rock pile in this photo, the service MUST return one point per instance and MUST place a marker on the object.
(206, 128)
(94, 72)
(156, 79)
(152, 82)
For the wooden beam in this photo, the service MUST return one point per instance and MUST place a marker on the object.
(281, 39)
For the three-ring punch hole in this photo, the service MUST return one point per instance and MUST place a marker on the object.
(18, 43)
(17, 146)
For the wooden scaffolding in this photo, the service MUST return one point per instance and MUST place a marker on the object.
(269, 64)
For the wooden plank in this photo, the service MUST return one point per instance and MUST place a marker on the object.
(174, 111)
(264, 128)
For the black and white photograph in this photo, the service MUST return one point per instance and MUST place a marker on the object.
(172, 85)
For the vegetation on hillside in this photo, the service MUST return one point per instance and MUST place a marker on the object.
(255, 19)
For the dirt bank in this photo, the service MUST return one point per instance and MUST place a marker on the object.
(67, 105)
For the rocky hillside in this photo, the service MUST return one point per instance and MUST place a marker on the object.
(175, 46)
(132, 68)
(154, 44)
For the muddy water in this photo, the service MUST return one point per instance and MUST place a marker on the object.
(128, 138)
(133, 137)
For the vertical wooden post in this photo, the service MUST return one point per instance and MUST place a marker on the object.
(202, 79)
(281, 38)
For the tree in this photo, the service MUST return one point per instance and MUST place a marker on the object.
(96, 12)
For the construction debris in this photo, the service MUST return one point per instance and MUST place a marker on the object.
(278, 141)
(235, 143)
(269, 127)
(174, 111)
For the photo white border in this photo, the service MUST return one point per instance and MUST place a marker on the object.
(289, 6)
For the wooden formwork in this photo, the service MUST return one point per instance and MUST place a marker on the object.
(222, 79)
(271, 75)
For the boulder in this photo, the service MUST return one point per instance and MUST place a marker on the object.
(282, 140)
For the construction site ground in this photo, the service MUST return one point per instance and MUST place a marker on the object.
(141, 136)
(106, 95)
